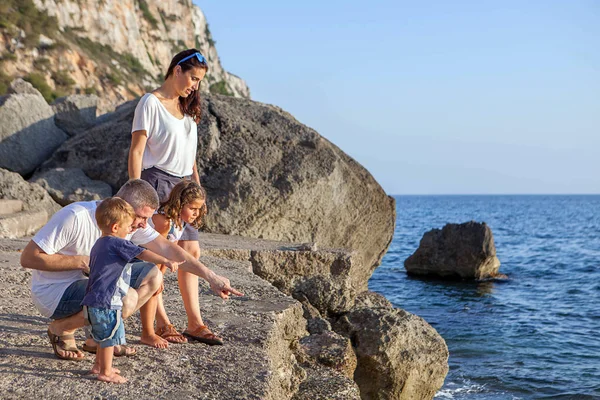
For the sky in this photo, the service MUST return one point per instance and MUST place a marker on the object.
(432, 97)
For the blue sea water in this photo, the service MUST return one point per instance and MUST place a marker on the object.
(533, 336)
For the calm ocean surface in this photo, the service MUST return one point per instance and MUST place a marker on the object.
(534, 336)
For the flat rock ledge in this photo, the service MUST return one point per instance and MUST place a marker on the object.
(256, 361)
(268, 353)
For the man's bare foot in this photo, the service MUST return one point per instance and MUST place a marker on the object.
(113, 378)
(154, 341)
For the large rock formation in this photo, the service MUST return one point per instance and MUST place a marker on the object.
(400, 356)
(24, 207)
(69, 185)
(28, 135)
(464, 251)
(32, 195)
(266, 175)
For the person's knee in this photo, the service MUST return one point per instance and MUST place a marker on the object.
(191, 248)
(154, 280)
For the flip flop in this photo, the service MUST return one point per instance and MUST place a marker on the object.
(122, 352)
(169, 333)
(204, 335)
(58, 343)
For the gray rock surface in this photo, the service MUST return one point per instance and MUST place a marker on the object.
(75, 113)
(71, 184)
(28, 135)
(256, 362)
(331, 350)
(33, 196)
(400, 356)
(326, 384)
(20, 86)
(464, 251)
(266, 175)
(328, 279)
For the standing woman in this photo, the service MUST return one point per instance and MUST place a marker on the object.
(163, 152)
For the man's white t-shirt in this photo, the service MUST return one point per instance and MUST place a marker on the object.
(72, 231)
(172, 142)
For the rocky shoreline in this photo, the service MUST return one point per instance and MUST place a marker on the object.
(269, 351)
(313, 224)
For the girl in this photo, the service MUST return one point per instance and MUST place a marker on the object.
(186, 206)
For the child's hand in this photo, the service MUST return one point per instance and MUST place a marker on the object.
(173, 265)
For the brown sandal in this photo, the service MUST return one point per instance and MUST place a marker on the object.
(58, 343)
(204, 335)
(169, 333)
(119, 351)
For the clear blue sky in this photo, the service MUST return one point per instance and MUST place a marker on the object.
(432, 97)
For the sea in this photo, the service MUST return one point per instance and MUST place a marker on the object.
(535, 335)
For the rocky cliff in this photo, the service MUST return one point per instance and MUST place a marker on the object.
(116, 49)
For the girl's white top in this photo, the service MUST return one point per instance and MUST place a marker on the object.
(175, 233)
(172, 142)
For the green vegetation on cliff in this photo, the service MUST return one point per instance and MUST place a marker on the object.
(16, 15)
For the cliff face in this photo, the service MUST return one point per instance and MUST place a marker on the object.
(117, 49)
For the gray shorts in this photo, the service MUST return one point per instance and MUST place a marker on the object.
(163, 182)
(70, 302)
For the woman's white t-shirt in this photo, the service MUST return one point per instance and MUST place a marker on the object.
(172, 142)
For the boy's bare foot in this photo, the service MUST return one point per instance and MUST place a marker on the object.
(96, 370)
(154, 341)
(113, 378)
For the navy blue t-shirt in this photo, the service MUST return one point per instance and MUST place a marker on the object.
(110, 272)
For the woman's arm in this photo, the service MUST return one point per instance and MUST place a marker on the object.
(136, 152)
(195, 175)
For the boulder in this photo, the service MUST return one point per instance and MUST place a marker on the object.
(32, 195)
(28, 135)
(331, 350)
(20, 86)
(70, 185)
(400, 356)
(464, 251)
(75, 113)
(326, 383)
(328, 279)
(266, 175)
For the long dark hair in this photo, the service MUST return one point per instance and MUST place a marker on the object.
(189, 105)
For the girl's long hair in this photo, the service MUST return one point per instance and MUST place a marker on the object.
(183, 193)
(189, 105)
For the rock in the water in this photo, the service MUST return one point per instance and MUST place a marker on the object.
(75, 113)
(70, 185)
(28, 135)
(464, 251)
(266, 175)
(400, 356)
(33, 196)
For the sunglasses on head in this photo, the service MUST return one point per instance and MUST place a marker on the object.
(199, 56)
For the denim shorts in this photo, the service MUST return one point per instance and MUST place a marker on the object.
(105, 326)
(163, 182)
(70, 302)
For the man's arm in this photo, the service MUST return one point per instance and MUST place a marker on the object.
(34, 257)
(218, 284)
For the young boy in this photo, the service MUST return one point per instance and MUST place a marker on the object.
(108, 298)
